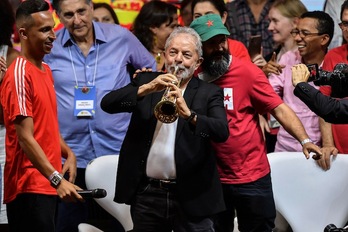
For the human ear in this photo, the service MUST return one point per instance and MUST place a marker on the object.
(22, 33)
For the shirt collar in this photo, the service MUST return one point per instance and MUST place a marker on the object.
(99, 35)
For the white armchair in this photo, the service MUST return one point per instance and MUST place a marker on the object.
(308, 197)
(101, 173)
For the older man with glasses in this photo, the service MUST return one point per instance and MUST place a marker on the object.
(335, 138)
(88, 60)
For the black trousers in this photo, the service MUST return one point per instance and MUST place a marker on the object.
(32, 212)
(157, 209)
(70, 215)
(253, 203)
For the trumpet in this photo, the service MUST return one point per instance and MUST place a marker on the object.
(166, 110)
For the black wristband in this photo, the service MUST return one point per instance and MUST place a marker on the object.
(193, 114)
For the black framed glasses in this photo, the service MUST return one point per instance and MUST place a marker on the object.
(343, 25)
(303, 34)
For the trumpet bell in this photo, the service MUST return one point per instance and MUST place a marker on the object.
(166, 111)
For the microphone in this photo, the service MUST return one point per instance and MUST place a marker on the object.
(93, 193)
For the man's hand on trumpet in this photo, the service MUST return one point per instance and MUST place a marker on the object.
(181, 105)
(171, 81)
(158, 84)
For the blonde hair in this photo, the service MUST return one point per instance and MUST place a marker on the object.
(290, 8)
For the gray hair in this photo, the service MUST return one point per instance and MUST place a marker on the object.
(56, 4)
(188, 31)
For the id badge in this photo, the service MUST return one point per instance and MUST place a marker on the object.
(85, 99)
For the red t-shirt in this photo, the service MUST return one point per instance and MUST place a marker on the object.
(28, 91)
(248, 93)
(339, 131)
(238, 49)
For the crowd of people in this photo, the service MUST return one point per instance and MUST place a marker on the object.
(90, 89)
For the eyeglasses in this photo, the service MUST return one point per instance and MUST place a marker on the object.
(343, 25)
(303, 34)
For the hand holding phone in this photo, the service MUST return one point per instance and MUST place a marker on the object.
(313, 72)
(254, 47)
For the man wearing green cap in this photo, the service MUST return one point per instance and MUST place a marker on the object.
(242, 160)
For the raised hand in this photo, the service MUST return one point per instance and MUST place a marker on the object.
(272, 66)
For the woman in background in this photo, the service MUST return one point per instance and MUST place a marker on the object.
(104, 13)
(153, 25)
(283, 17)
(186, 13)
(203, 7)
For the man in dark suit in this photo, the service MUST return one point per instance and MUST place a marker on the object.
(167, 171)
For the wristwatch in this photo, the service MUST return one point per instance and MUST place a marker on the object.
(55, 179)
(303, 142)
(192, 116)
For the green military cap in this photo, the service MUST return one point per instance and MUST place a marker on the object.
(208, 26)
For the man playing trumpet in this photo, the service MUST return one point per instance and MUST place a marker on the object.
(167, 171)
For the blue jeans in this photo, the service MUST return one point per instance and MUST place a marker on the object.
(157, 210)
(254, 204)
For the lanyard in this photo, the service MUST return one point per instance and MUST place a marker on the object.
(95, 66)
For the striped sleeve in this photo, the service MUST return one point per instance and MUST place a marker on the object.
(19, 78)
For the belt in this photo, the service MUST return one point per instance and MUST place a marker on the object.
(164, 184)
